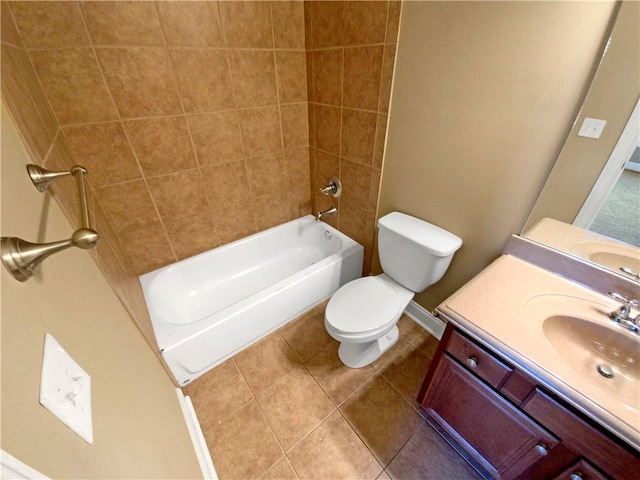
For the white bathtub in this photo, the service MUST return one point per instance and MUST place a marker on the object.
(209, 307)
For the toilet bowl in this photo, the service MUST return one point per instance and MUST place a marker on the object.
(362, 315)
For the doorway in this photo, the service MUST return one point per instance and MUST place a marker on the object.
(613, 206)
(619, 216)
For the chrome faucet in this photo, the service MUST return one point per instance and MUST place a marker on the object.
(330, 211)
(622, 315)
(631, 273)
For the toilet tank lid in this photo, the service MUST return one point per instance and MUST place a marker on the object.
(437, 240)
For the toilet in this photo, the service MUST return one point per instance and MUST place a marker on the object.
(362, 315)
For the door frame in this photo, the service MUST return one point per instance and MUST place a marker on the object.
(611, 171)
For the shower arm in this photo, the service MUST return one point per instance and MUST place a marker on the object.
(21, 258)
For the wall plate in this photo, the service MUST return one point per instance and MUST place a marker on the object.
(592, 128)
(65, 389)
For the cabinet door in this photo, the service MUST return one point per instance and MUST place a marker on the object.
(616, 460)
(500, 437)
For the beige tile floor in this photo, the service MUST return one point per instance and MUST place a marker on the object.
(286, 408)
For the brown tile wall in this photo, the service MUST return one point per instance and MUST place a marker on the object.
(350, 55)
(193, 118)
(34, 114)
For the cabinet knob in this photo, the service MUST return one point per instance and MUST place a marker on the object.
(542, 449)
(472, 361)
(577, 475)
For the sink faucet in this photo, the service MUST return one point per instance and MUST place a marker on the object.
(631, 273)
(622, 315)
(330, 211)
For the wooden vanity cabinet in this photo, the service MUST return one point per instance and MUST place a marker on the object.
(499, 436)
(508, 425)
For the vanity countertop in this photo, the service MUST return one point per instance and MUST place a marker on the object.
(526, 314)
(594, 247)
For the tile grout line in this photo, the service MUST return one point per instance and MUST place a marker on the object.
(266, 417)
(130, 145)
(332, 412)
(234, 95)
(191, 141)
(114, 46)
(190, 114)
(283, 162)
(280, 380)
(179, 94)
(35, 72)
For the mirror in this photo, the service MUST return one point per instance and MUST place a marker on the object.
(574, 185)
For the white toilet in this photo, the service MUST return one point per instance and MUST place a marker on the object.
(362, 314)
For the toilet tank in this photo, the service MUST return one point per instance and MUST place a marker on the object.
(413, 252)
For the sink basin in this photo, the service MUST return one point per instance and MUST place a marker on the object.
(583, 346)
(606, 357)
(559, 332)
(609, 254)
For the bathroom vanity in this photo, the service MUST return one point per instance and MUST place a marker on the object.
(516, 386)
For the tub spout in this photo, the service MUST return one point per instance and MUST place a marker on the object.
(330, 211)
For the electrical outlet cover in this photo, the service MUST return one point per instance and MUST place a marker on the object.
(592, 128)
(65, 389)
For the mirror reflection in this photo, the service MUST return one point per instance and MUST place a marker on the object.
(590, 205)
(608, 252)
(618, 216)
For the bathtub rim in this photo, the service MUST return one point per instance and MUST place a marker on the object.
(171, 335)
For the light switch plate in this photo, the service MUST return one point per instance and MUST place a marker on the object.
(592, 128)
(65, 389)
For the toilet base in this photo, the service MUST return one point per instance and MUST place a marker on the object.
(358, 355)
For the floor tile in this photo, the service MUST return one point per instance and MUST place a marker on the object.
(307, 335)
(426, 456)
(426, 343)
(382, 418)
(294, 406)
(266, 362)
(267, 415)
(334, 451)
(390, 354)
(334, 377)
(408, 369)
(243, 446)
(408, 330)
(411, 330)
(219, 393)
(281, 471)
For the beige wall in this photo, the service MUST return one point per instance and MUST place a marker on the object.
(138, 427)
(612, 97)
(484, 94)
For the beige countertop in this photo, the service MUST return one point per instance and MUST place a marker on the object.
(505, 307)
(600, 249)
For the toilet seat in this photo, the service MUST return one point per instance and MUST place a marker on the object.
(364, 305)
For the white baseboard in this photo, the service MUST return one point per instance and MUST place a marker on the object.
(199, 443)
(11, 468)
(432, 324)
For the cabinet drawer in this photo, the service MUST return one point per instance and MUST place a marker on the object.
(477, 360)
(581, 470)
(619, 461)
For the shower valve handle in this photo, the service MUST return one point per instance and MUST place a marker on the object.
(333, 188)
